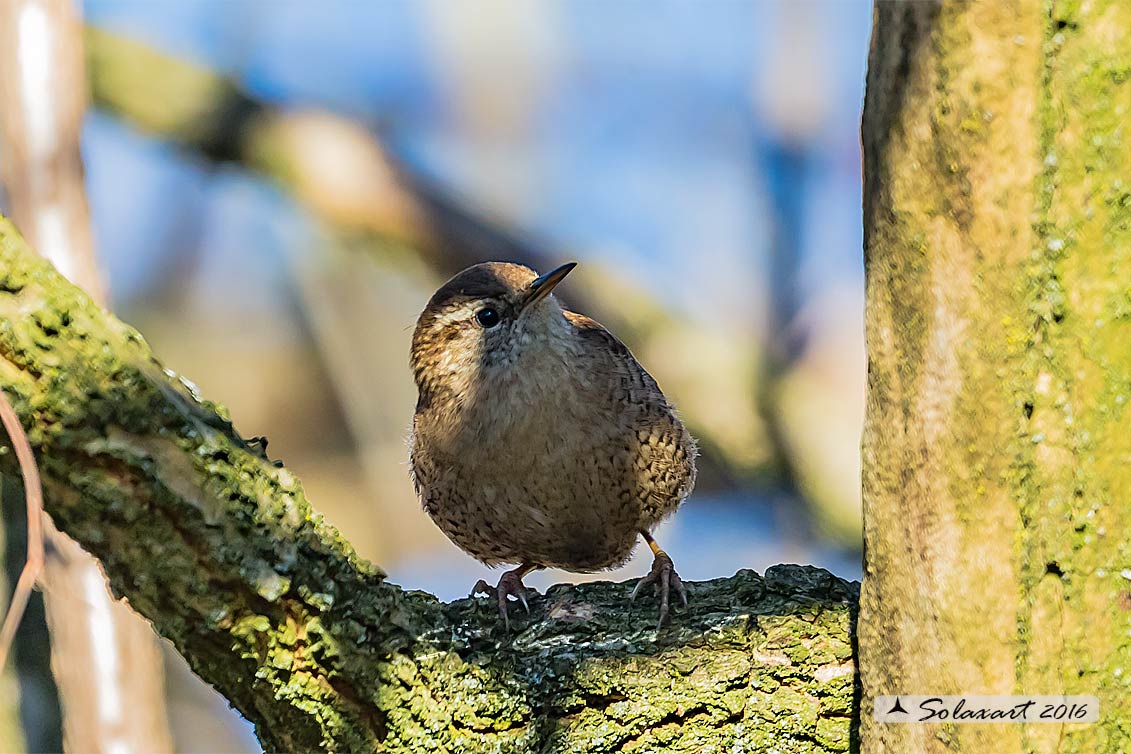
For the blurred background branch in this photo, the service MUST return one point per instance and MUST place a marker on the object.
(105, 659)
(369, 200)
(11, 728)
(329, 162)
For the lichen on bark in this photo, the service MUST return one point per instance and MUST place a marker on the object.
(997, 315)
(223, 552)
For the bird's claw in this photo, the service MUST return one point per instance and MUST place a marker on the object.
(510, 585)
(664, 578)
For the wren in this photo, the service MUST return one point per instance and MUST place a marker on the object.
(538, 439)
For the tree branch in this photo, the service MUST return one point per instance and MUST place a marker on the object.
(221, 550)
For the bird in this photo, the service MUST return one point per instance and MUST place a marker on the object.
(538, 439)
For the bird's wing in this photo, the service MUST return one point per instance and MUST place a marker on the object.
(626, 369)
(668, 450)
(624, 380)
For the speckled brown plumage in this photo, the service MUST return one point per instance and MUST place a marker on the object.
(539, 440)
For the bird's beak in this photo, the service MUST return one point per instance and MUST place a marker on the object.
(542, 286)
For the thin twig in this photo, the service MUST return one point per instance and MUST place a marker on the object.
(33, 494)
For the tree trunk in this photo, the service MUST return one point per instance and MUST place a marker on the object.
(105, 660)
(220, 549)
(998, 255)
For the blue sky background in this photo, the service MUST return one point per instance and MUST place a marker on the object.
(644, 143)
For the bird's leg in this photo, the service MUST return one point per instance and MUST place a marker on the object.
(663, 576)
(510, 584)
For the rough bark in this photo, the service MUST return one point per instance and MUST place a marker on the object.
(221, 550)
(113, 694)
(997, 252)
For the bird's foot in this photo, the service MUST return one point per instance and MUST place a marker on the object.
(510, 585)
(664, 578)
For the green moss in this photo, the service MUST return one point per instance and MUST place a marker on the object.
(1073, 477)
(994, 460)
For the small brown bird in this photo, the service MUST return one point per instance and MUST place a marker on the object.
(538, 439)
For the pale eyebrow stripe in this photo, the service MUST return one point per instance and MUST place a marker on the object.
(467, 311)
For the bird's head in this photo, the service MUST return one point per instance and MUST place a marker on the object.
(482, 320)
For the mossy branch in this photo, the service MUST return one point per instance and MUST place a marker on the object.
(221, 550)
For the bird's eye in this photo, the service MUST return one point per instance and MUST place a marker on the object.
(487, 317)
